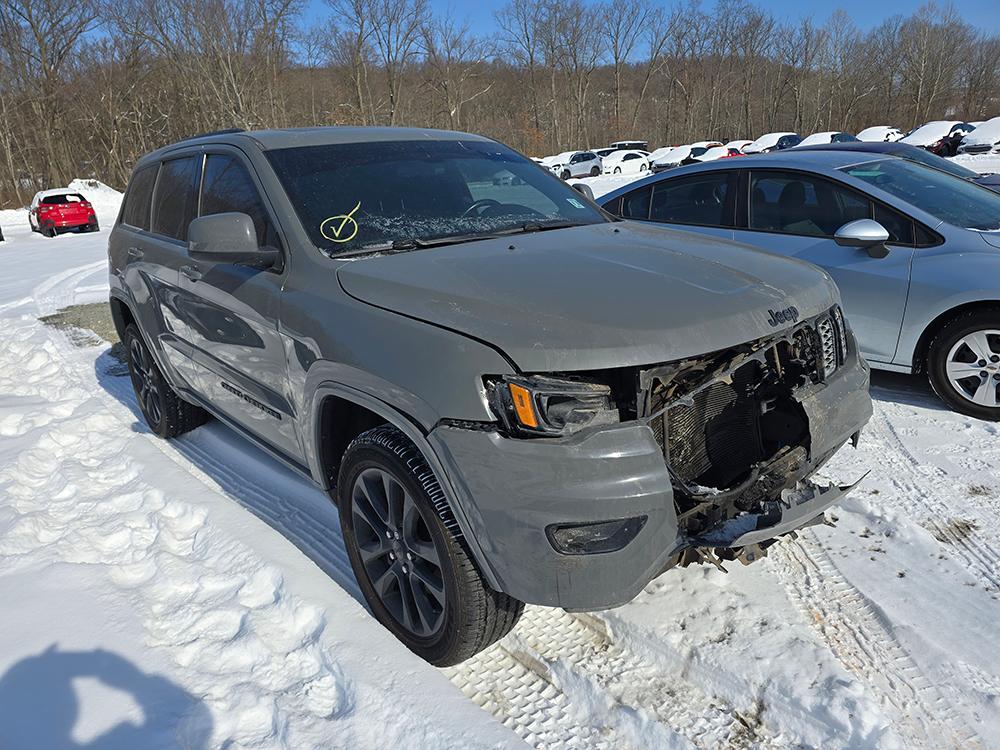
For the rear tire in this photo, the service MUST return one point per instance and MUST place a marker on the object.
(48, 231)
(963, 364)
(166, 413)
(594, 171)
(416, 575)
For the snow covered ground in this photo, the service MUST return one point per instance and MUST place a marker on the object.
(195, 594)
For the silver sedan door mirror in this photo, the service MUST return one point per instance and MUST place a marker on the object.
(228, 238)
(864, 233)
(584, 188)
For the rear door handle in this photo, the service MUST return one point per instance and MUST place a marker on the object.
(134, 252)
(191, 272)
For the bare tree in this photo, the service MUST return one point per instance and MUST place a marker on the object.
(624, 23)
(395, 31)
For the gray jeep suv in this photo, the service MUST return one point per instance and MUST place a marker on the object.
(511, 395)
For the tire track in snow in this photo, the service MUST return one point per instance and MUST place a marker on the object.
(609, 694)
(861, 638)
(973, 547)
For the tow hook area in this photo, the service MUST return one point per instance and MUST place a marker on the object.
(747, 536)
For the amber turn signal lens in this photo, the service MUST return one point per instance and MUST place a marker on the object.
(523, 407)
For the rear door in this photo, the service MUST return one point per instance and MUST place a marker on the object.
(796, 214)
(229, 314)
(148, 249)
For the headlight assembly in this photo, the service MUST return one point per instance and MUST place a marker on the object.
(539, 406)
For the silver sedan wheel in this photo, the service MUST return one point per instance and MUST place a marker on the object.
(398, 553)
(973, 367)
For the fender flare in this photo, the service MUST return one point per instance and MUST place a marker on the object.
(400, 421)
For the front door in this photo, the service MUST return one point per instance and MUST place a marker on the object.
(230, 316)
(797, 214)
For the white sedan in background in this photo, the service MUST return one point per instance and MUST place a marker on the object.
(880, 134)
(985, 139)
(828, 136)
(626, 162)
(738, 145)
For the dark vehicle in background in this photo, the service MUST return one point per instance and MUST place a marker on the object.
(55, 211)
(914, 250)
(510, 395)
(940, 137)
(913, 153)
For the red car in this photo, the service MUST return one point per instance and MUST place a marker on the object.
(55, 211)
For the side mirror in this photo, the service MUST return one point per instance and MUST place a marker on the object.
(864, 233)
(582, 187)
(228, 238)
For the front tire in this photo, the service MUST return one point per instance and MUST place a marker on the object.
(963, 364)
(416, 575)
(565, 174)
(165, 412)
(618, 170)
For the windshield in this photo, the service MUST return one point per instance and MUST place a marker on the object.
(357, 196)
(954, 201)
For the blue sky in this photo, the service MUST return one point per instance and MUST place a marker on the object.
(865, 13)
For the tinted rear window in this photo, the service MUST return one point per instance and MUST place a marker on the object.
(136, 211)
(56, 200)
(175, 204)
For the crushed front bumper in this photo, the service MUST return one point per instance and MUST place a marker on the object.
(512, 490)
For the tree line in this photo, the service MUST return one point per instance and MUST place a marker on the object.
(87, 86)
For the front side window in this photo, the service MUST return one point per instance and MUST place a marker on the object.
(698, 199)
(175, 203)
(899, 227)
(368, 196)
(226, 187)
(140, 192)
(949, 199)
(793, 203)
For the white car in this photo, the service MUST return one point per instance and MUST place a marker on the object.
(985, 139)
(738, 145)
(716, 152)
(940, 137)
(576, 164)
(626, 162)
(828, 136)
(772, 142)
(705, 144)
(880, 134)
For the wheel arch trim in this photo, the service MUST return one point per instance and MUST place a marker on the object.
(414, 433)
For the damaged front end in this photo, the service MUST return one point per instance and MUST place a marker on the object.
(736, 429)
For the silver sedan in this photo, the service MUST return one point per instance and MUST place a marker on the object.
(915, 251)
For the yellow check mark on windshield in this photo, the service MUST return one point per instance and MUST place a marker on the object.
(340, 228)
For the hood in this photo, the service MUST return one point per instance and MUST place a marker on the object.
(594, 297)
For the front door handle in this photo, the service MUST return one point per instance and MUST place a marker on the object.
(191, 272)
(135, 253)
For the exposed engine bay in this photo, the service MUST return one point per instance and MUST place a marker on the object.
(735, 435)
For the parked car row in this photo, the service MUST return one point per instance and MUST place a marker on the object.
(940, 137)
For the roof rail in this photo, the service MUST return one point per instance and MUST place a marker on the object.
(227, 131)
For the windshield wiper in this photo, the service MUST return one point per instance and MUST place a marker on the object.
(415, 243)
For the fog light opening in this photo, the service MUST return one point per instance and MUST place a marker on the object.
(594, 538)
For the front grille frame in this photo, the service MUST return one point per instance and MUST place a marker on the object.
(828, 353)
